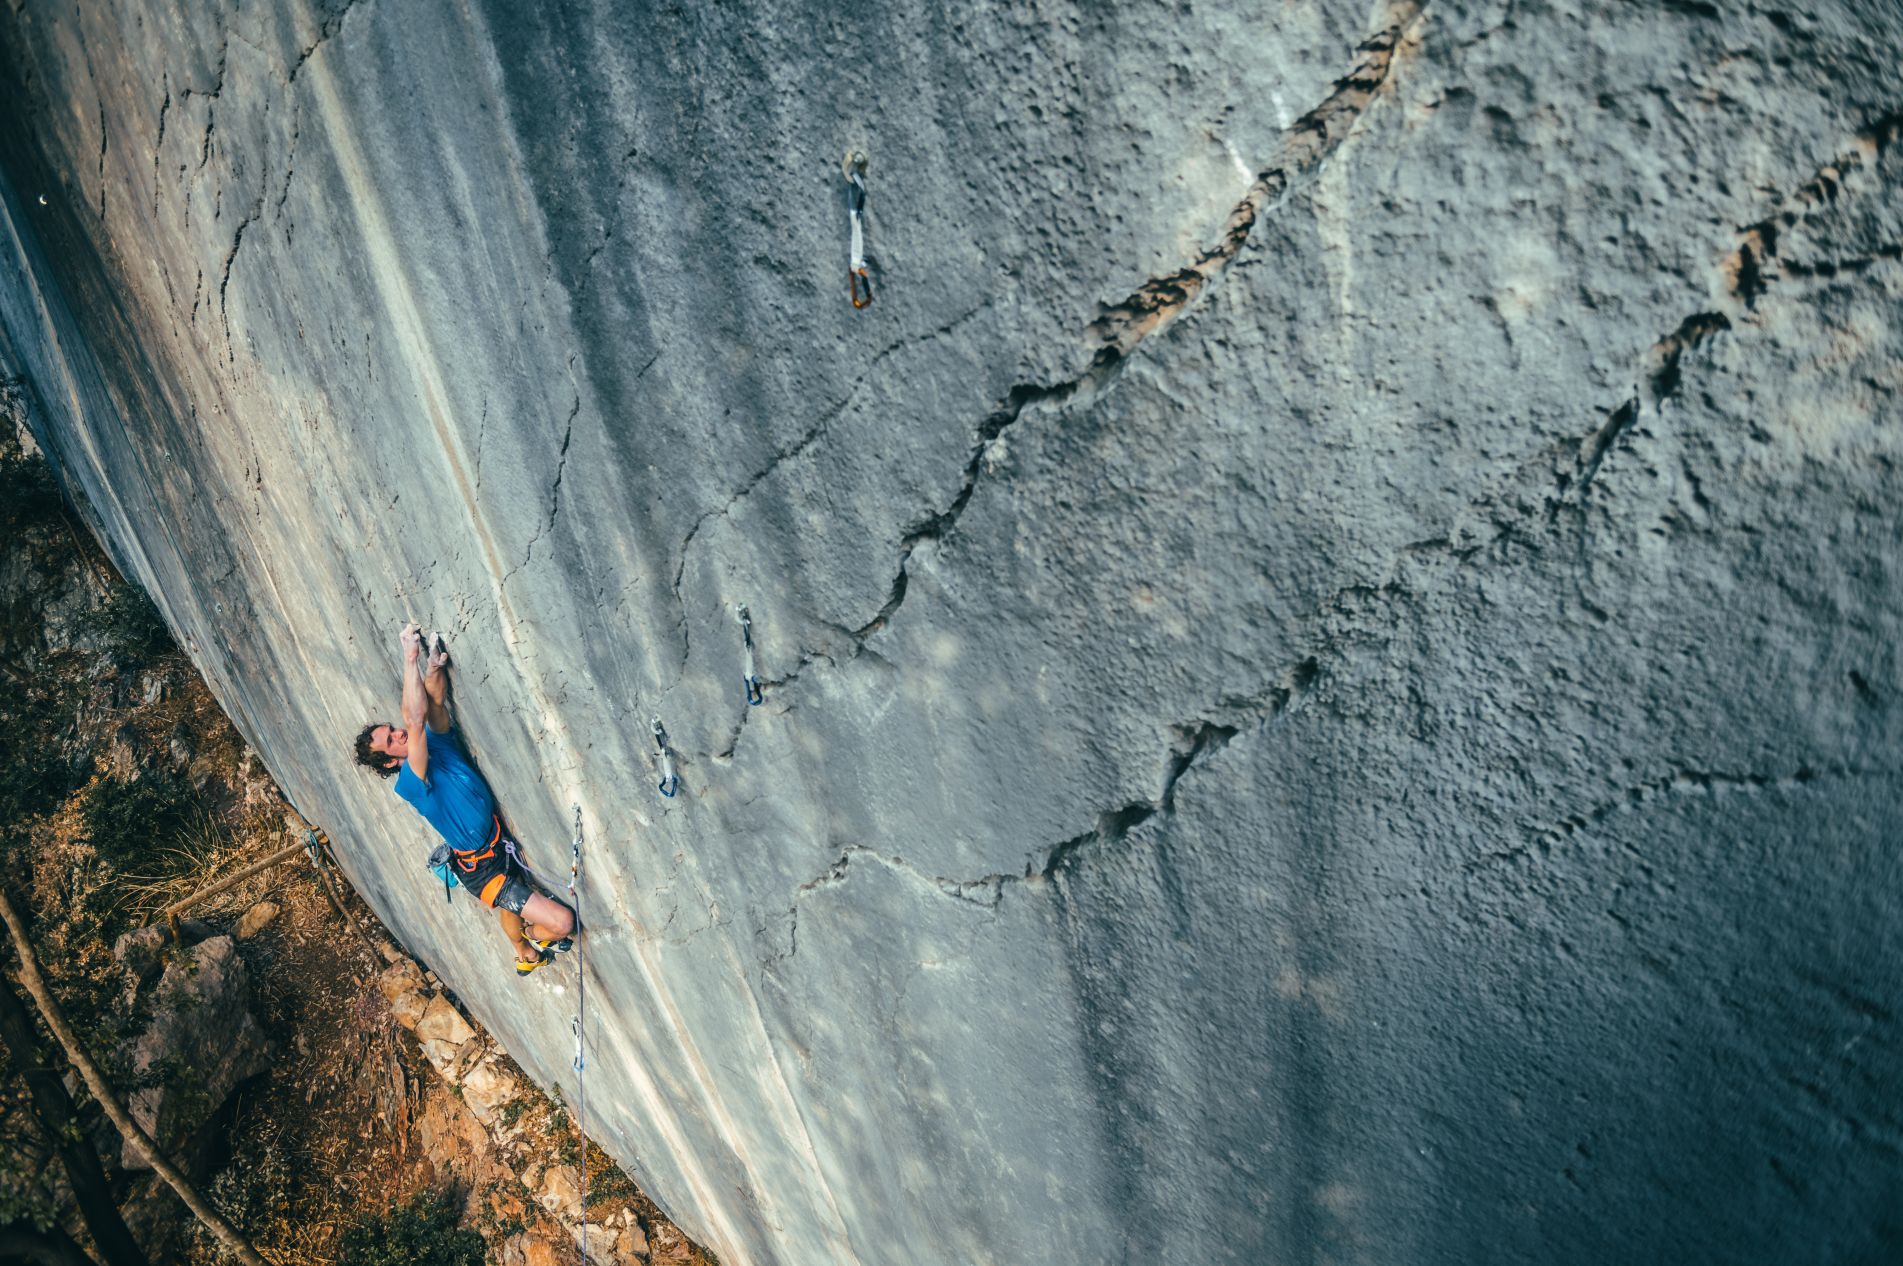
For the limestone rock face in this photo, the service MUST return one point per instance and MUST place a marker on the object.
(1330, 639)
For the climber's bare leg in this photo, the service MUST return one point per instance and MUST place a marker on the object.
(547, 919)
(513, 927)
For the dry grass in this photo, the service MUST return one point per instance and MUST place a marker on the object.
(199, 855)
(208, 849)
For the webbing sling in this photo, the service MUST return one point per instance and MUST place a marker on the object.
(858, 281)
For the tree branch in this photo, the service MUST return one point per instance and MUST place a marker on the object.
(54, 1108)
(36, 989)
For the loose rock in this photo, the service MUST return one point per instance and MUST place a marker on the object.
(256, 919)
(441, 1022)
(202, 1041)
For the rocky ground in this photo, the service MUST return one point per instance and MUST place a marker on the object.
(308, 1072)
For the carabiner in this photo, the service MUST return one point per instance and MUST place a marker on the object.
(670, 781)
(749, 676)
(854, 276)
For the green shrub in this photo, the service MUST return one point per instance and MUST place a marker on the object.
(419, 1232)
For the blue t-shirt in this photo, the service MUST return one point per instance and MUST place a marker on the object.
(454, 799)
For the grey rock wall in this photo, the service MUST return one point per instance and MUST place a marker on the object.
(1331, 636)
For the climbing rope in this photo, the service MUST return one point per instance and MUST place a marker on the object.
(858, 281)
(755, 696)
(670, 781)
(581, 1025)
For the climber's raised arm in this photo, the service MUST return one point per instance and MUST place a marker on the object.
(436, 685)
(415, 701)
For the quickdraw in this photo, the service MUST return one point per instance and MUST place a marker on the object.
(858, 280)
(670, 781)
(755, 695)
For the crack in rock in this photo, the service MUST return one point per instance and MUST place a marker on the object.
(1750, 270)
(1824, 270)
(561, 464)
(1192, 742)
(812, 435)
(237, 240)
(610, 227)
(1679, 781)
(325, 30)
(1155, 305)
(938, 526)
(836, 874)
(555, 487)
(212, 94)
(768, 684)
(1306, 145)
(158, 145)
(1663, 377)
(290, 169)
(104, 138)
(1114, 824)
(1752, 267)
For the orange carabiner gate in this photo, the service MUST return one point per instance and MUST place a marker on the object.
(861, 293)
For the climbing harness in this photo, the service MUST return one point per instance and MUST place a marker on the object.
(581, 1025)
(670, 781)
(755, 696)
(451, 863)
(858, 281)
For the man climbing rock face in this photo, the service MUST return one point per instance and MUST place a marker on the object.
(433, 772)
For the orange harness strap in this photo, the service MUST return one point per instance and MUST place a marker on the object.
(468, 861)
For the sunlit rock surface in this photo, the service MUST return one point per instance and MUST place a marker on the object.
(1330, 636)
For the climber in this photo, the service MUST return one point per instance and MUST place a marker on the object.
(433, 773)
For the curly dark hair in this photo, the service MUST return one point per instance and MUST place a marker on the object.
(384, 766)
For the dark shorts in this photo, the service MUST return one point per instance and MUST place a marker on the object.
(492, 876)
(503, 888)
